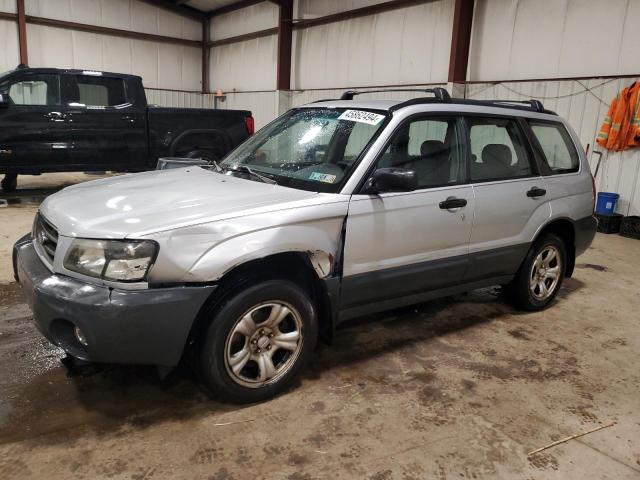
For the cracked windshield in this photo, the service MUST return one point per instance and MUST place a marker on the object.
(310, 149)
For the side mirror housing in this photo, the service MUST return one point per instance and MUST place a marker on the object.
(392, 180)
(4, 100)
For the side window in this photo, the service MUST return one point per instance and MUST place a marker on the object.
(360, 135)
(497, 150)
(98, 91)
(36, 90)
(559, 150)
(430, 147)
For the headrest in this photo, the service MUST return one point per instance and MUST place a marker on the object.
(431, 147)
(496, 153)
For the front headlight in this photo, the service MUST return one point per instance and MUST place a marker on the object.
(116, 260)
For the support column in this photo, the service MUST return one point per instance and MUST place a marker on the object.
(460, 42)
(285, 38)
(22, 33)
(206, 25)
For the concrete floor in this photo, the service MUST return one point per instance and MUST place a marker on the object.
(457, 388)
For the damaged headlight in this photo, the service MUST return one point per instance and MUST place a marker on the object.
(115, 260)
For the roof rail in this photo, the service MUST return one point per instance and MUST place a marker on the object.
(533, 104)
(440, 93)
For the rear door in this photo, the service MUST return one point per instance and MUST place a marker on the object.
(511, 198)
(34, 135)
(400, 244)
(109, 130)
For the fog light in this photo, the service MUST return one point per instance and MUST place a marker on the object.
(80, 336)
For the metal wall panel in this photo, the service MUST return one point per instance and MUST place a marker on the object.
(10, 51)
(245, 66)
(167, 98)
(521, 39)
(313, 8)
(263, 105)
(161, 65)
(246, 20)
(267, 105)
(409, 45)
(8, 6)
(584, 103)
(122, 14)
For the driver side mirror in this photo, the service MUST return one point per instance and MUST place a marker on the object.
(4, 100)
(391, 180)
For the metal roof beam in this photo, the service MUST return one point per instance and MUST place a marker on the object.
(179, 8)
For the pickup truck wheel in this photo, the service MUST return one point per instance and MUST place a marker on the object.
(541, 275)
(9, 182)
(258, 341)
(203, 154)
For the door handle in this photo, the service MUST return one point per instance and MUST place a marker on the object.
(129, 119)
(55, 116)
(536, 192)
(453, 202)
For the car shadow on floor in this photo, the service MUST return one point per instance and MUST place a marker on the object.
(111, 397)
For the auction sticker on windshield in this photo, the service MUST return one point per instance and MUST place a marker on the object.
(322, 177)
(362, 117)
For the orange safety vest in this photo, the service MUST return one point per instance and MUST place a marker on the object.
(621, 127)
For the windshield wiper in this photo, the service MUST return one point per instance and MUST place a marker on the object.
(246, 169)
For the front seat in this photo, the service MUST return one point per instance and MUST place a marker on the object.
(433, 167)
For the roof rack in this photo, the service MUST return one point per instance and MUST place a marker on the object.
(530, 105)
(533, 104)
(439, 93)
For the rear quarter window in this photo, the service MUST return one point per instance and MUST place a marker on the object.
(559, 151)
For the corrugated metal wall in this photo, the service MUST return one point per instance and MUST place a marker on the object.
(402, 46)
(584, 103)
(398, 47)
(168, 98)
(248, 66)
(161, 65)
(9, 52)
(534, 39)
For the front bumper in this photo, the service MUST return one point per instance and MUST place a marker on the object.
(121, 326)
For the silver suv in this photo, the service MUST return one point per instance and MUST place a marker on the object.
(335, 210)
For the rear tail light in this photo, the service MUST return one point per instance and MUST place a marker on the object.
(251, 126)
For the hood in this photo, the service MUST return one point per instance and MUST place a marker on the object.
(143, 203)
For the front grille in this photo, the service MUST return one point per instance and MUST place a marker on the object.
(46, 238)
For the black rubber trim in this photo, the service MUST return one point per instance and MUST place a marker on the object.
(585, 231)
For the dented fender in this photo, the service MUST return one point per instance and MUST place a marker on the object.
(206, 252)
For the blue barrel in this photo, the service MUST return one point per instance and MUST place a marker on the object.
(606, 204)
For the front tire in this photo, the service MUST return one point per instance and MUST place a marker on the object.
(9, 182)
(258, 341)
(540, 277)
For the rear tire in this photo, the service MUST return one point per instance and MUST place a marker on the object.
(257, 341)
(9, 182)
(540, 276)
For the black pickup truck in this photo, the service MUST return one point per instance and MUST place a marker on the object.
(73, 120)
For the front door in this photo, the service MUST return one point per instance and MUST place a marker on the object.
(511, 200)
(34, 134)
(406, 243)
(109, 131)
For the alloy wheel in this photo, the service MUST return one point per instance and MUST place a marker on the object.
(545, 273)
(264, 344)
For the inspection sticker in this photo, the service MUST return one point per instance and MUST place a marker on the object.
(362, 117)
(322, 177)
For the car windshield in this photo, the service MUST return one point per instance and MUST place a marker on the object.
(309, 148)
